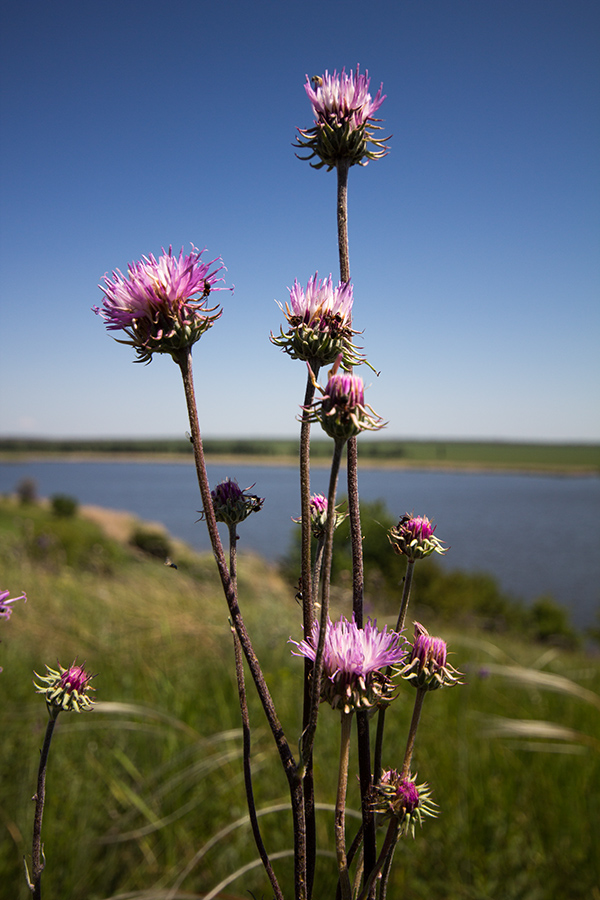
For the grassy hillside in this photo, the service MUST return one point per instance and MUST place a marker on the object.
(139, 786)
(570, 458)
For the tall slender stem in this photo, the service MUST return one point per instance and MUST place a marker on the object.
(364, 747)
(414, 724)
(340, 807)
(184, 360)
(410, 568)
(311, 727)
(37, 852)
(308, 613)
(247, 746)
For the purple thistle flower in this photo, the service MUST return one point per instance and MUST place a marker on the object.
(344, 120)
(337, 99)
(428, 666)
(161, 304)
(354, 660)
(65, 689)
(321, 302)
(320, 320)
(5, 609)
(414, 537)
(342, 411)
(232, 504)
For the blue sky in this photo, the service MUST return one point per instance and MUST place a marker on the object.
(473, 244)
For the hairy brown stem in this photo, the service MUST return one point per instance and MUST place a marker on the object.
(377, 756)
(340, 808)
(308, 736)
(247, 745)
(37, 851)
(184, 360)
(307, 588)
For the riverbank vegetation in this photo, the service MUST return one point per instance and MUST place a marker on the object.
(150, 783)
(381, 451)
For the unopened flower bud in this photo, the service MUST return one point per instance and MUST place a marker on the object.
(342, 411)
(402, 799)
(318, 516)
(232, 504)
(428, 667)
(66, 689)
(414, 537)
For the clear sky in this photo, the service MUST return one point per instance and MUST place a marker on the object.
(129, 126)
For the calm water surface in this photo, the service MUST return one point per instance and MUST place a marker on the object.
(536, 534)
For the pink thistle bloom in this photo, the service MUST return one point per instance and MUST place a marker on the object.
(344, 120)
(161, 304)
(321, 302)
(414, 537)
(5, 609)
(337, 99)
(354, 660)
(320, 320)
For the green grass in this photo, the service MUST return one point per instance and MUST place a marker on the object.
(140, 785)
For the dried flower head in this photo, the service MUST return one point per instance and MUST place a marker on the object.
(66, 689)
(318, 516)
(232, 504)
(400, 798)
(161, 304)
(319, 319)
(354, 660)
(342, 411)
(5, 609)
(427, 666)
(344, 126)
(414, 537)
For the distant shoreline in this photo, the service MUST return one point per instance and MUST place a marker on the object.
(549, 469)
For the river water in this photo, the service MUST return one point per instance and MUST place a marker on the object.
(536, 534)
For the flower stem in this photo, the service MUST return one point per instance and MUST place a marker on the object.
(37, 852)
(241, 685)
(308, 736)
(399, 626)
(183, 358)
(390, 841)
(308, 589)
(340, 807)
(364, 747)
(410, 744)
(408, 578)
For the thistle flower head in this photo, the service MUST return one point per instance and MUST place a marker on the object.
(354, 660)
(161, 304)
(344, 125)
(414, 537)
(428, 665)
(318, 516)
(232, 504)
(5, 609)
(65, 689)
(400, 798)
(342, 411)
(320, 319)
